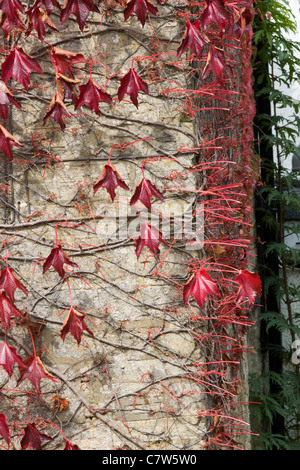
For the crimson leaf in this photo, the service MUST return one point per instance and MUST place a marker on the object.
(8, 357)
(19, 65)
(6, 98)
(4, 429)
(215, 63)
(70, 446)
(80, 9)
(143, 192)
(34, 370)
(66, 87)
(9, 283)
(74, 324)
(90, 94)
(216, 13)
(7, 309)
(7, 25)
(57, 259)
(249, 286)
(150, 237)
(110, 179)
(192, 39)
(200, 284)
(6, 142)
(139, 8)
(130, 85)
(33, 437)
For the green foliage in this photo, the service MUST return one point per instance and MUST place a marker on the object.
(276, 65)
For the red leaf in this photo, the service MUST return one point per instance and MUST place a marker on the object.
(66, 87)
(57, 259)
(11, 8)
(199, 285)
(70, 446)
(110, 180)
(33, 437)
(215, 63)
(193, 39)
(8, 25)
(130, 85)
(40, 21)
(150, 237)
(6, 98)
(7, 309)
(57, 110)
(8, 357)
(6, 142)
(9, 283)
(74, 324)
(143, 192)
(249, 286)
(215, 12)
(34, 370)
(140, 8)
(90, 94)
(19, 65)
(4, 429)
(80, 9)
(63, 60)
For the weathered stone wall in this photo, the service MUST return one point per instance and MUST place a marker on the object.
(140, 380)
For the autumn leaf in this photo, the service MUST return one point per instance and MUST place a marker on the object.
(144, 191)
(57, 259)
(75, 325)
(66, 87)
(63, 60)
(80, 9)
(7, 310)
(140, 9)
(8, 357)
(9, 283)
(34, 370)
(130, 85)
(249, 286)
(150, 237)
(11, 8)
(4, 429)
(40, 21)
(90, 94)
(6, 98)
(59, 404)
(19, 65)
(199, 285)
(192, 39)
(58, 111)
(33, 437)
(110, 179)
(7, 141)
(70, 446)
(216, 63)
(215, 12)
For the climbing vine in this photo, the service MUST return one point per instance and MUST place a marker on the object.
(113, 112)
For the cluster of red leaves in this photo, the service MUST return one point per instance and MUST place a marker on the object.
(18, 65)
